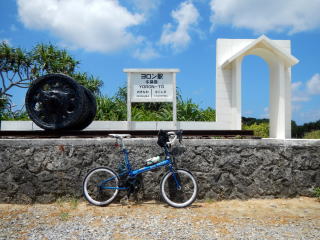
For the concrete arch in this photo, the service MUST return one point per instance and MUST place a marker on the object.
(230, 53)
(255, 86)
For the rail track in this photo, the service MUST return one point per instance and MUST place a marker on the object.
(133, 133)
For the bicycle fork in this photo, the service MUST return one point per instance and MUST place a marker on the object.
(176, 178)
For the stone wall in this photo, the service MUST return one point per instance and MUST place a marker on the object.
(43, 170)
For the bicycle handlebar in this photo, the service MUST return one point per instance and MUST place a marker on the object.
(120, 137)
(177, 136)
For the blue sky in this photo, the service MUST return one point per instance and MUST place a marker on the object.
(110, 35)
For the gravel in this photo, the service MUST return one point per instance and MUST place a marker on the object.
(254, 219)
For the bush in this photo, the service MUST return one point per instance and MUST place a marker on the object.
(312, 135)
(19, 67)
(317, 192)
(115, 109)
(260, 130)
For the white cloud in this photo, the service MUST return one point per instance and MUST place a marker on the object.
(265, 113)
(5, 40)
(198, 92)
(295, 86)
(95, 25)
(186, 16)
(300, 98)
(313, 85)
(301, 93)
(146, 53)
(248, 112)
(145, 5)
(296, 107)
(308, 116)
(265, 16)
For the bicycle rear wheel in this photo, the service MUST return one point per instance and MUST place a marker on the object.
(181, 196)
(100, 186)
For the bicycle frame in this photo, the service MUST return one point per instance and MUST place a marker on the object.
(134, 172)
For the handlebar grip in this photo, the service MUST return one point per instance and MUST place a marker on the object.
(178, 135)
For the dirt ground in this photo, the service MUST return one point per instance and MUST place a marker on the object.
(18, 221)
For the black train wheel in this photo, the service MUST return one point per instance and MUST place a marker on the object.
(89, 110)
(55, 101)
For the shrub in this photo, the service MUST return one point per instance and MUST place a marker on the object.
(260, 130)
(312, 135)
(317, 193)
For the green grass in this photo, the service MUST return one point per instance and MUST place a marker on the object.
(64, 216)
(316, 192)
(209, 200)
(73, 201)
(312, 135)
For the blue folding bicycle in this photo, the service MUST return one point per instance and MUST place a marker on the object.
(178, 187)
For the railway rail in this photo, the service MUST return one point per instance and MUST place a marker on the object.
(133, 133)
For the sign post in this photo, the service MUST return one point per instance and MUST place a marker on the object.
(152, 85)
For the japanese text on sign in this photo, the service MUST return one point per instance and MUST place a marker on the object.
(152, 87)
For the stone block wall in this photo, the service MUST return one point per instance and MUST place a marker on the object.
(42, 170)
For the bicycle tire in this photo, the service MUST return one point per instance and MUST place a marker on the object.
(92, 186)
(179, 198)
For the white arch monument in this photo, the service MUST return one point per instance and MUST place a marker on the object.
(277, 53)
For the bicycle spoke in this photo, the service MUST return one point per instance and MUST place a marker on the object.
(179, 196)
(101, 186)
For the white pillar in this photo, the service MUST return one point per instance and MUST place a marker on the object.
(174, 102)
(224, 98)
(273, 101)
(288, 102)
(129, 125)
(280, 104)
(236, 94)
(281, 131)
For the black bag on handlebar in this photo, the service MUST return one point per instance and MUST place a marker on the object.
(163, 138)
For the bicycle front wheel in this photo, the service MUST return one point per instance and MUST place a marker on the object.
(175, 195)
(100, 186)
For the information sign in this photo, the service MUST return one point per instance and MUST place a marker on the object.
(152, 87)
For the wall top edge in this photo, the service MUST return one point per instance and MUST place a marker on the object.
(152, 142)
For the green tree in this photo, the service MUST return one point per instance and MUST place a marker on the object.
(312, 135)
(19, 67)
(115, 108)
(249, 121)
(209, 115)
(47, 58)
(111, 109)
(300, 131)
(260, 129)
(188, 111)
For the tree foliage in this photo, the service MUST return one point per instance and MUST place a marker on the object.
(111, 109)
(260, 129)
(115, 109)
(312, 135)
(307, 130)
(301, 131)
(19, 67)
(250, 121)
